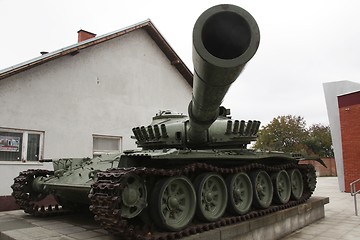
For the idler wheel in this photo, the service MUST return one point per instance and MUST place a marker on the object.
(263, 189)
(211, 193)
(297, 184)
(240, 193)
(282, 187)
(133, 196)
(173, 203)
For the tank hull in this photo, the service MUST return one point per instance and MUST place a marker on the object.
(163, 173)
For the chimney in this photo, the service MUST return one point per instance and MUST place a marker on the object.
(84, 35)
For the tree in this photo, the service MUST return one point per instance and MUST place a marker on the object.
(289, 134)
(283, 133)
(319, 141)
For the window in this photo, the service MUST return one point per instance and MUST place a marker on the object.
(33, 147)
(20, 145)
(106, 144)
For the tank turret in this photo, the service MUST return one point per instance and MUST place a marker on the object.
(225, 38)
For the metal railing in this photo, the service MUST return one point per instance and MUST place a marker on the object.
(353, 192)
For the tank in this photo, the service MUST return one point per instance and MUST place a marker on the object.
(191, 173)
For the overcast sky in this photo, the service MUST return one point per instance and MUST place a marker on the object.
(304, 43)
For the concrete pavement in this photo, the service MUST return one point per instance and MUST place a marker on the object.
(16, 225)
(340, 221)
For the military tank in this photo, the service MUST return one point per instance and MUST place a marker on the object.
(190, 173)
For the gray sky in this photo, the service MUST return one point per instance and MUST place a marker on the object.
(304, 43)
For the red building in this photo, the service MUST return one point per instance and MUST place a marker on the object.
(343, 108)
(349, 109)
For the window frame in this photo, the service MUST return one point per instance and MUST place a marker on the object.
(97, 152)
(24, 145)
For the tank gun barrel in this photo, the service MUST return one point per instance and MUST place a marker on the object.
(225, 38)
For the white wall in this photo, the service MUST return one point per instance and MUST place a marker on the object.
(332, 90)
(10, 170)
(106, 89)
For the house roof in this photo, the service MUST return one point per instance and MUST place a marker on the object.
(147, 25)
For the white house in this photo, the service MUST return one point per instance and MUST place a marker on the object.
(86, 98)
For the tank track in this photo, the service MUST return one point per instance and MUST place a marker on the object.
(106, 201)
(27, 199)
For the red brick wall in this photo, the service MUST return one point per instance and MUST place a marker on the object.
(329, 170)
(7, 203)
(349, 109)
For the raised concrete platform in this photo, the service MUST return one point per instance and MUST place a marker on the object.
(16, 225)
(273, 226)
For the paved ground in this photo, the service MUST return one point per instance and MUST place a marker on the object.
(15, 225)
(340, 222)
